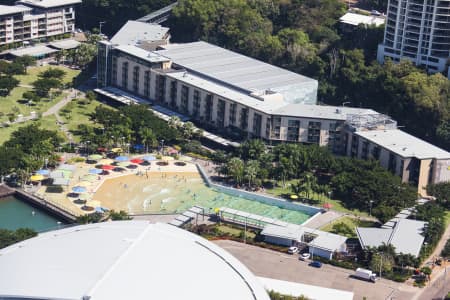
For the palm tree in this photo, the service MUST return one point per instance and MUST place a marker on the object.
(147, 137)
(235, 168)
(188, 130)
(174, 122)
(251, 171)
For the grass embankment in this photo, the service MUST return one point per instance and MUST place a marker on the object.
(317, 199)
(78, 112)
(347, 226)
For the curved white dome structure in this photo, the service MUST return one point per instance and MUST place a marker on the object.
(124, 260)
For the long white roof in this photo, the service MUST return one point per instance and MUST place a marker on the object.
(403, 144)
(356, 19)
(124, 260)
(406, 236)
(237, 70)
(134, 32)
(48, 3)
(12, 9)
(321, 111)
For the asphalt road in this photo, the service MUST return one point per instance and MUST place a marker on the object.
(272, 264)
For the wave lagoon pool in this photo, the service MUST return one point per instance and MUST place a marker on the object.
(15, 213)
(177, 192)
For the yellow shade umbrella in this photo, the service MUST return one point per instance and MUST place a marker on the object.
(294, 197)
(167, 158)
(116, 150)
(37, 177)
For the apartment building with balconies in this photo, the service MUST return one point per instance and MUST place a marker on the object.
(37, 20)
(418, 30)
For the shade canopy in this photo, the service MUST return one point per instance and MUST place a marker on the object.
(107, 167)
(89, 177)
(43, 172)
(294, 197)
(122, 158)
(123, 164)
(67, 167)
(138, 146)
(95, 171)
(95, 157)
(37, 177)
(79, 189)
(149, 158)
(116, 150)
(137, 161)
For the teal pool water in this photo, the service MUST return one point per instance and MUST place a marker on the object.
(15, 213)
(178, 193)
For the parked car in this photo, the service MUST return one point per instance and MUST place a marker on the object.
(375, 13)
(292, 250)
(315, 264)
(304, 256)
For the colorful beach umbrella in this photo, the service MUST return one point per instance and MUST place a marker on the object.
(137, 161)
(43, 172)
(149, 158)
(89, 177)
(294, 197)
(121, 158)
(95, 171)
(95, 157)
(79, 189)
(116, 150)
(107, 167)
(37, 177)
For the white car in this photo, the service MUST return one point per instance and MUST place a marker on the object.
(304, 256)
(292, 250)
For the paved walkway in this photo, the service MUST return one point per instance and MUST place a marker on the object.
(323, 219)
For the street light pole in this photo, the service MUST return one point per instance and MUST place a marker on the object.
(162, 147)
(370, 208)
(101, 25)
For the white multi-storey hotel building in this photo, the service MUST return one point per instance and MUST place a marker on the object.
(232, 94)
(418, 30)
(36, 19)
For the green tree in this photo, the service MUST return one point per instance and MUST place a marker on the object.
(235, 168)
(251, 171)
(7, 84)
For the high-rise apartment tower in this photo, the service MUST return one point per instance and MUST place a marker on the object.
(418, 30)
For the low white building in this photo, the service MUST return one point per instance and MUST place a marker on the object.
(406, 236)
(320, 243)
(352, 20)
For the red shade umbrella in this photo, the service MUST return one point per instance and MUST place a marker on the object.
(107, 167)
(327, 206)
(137, 161)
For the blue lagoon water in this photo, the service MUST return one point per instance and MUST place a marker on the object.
(15, 213)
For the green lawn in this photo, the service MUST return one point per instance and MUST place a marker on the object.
(350, 222)
(234, 231)
(46, 123)
(337, 205)
(8, 103)
(33, 72)
(75, 114)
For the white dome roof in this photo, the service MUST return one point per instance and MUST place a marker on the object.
(124, 260)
